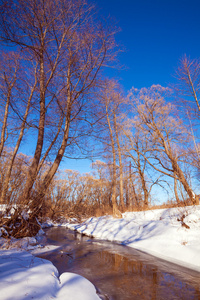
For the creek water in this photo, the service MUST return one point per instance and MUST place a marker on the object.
(119, 272)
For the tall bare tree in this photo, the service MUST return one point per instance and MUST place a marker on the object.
(165, 133)
(187, 97)
(119, 150)
(9, 70)
(134, 147)
(111, 100)
(22, 124)
(188, 86)
(69, 46)
(114, 163)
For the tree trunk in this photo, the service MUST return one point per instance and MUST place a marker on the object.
(3, 131)
(141, 174)
(175, 190)
(132, 194)
(193, 198)
(121, 189)
(50, 174)
(114, 179)
(179, 173)
(32, 173)
(10, 166)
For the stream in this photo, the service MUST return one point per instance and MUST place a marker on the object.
(119, 272)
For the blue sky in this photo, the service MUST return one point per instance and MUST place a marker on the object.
(155, 34)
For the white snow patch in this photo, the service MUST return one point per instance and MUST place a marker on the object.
(157, 232)
(25, 277)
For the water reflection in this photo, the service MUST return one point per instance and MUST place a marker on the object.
(120, 272)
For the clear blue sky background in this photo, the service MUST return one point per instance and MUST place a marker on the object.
(155, 34)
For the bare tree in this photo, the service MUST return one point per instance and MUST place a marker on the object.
(100, 172)
(16, 95)
(188, 86)
(164, 132)
(69, 47)
(119, 150)
(9, 67)
(134, 199)
(187, 98)
(114, 165)
(134, 150)
(21, 130)
(17, 176)
(111, 98)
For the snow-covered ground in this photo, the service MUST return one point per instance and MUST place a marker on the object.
(157, 232)
(24, 276)
(172, 234)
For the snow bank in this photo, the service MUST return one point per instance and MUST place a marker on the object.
(162, 233)
(157, 232)
(25, 277)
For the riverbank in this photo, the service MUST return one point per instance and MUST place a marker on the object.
(24, 276)
(171, 234)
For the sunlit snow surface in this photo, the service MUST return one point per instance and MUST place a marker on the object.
(24, 277)
(157, 232)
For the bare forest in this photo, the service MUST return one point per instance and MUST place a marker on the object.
(58, 103)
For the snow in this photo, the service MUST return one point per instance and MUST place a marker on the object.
(171, 234)
(157, 232)
(24, 276)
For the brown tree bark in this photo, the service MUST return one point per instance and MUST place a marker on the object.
(21, 134)
(175, 190)
(114, 169)
(121, 188)
(8, 79)
(32, 172)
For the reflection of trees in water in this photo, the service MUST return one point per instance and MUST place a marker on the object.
(121, 277)
(145, 281)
